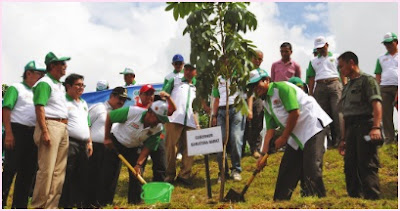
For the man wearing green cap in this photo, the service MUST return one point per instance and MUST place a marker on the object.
(129, 77)
(19, 122)
(51, 134)
(303, 122)
(387, 77)
(136, 133)
(299, 83)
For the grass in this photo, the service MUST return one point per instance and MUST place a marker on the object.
(260, 193)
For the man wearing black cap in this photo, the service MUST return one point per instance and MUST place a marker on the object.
(102, 192)
(19, 122)
(51, 134)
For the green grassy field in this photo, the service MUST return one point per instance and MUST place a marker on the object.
(260, 193)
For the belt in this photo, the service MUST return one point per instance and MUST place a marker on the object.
(65, 121)
(328, 80)
(224, 107)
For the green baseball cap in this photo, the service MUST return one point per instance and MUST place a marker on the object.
(389, 37)
(32, 66)
(160, 108)
(256, 75)
(127, 71)
(51, 57)
(296, 81)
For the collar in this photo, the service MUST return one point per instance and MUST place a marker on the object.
(270, 91)
(193, 80)
(388, 54)
(142, 117)
(329, 54)
(52, 78)
(69, 98)
(176, 71)
(26, 85)
(133, 83)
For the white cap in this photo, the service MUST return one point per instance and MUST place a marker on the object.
(101, 85)
(320, 42)
(127, 71)
(160, 108)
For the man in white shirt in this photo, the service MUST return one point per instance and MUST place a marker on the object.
(323, 71)
(74, 193)
(387, 77)
(303, 122)
(19, 122)
(102, 192)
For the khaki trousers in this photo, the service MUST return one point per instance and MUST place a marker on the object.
(52, 163)
(388, 95)
(176, 142)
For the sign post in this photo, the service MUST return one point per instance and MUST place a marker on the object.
(205, 141)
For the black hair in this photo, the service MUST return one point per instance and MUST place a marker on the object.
(286, 45)
(72, 78)
(347, 56)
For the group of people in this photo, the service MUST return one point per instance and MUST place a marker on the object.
(66, 153)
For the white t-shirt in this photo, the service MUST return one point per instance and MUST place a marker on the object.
(78, 119)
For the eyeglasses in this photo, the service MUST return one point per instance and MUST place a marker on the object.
(178, 63)
(40, 73)
(387, 43)
(80, 85)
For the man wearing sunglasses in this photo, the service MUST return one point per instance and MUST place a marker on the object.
(19, 122)
(177, 63)
(51, 134)
(386, 76)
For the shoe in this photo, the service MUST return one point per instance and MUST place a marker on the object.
(219, 179)
(236, 176)
(256, 155)
(184, 181)
(179, 156)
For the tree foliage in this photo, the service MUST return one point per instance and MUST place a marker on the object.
(219, 49)
(217, 44)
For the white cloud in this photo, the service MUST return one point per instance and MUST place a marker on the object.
(145, 37)
(311, 17)
(318, 7)
(97, 51)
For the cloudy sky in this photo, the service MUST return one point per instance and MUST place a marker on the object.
(104, 38)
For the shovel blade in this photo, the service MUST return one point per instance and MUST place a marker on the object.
(233, 196)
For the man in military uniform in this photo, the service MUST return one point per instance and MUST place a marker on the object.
(362, 111)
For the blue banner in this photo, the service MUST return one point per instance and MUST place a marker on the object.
(102, 96)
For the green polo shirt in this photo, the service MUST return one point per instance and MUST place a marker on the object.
(358, 95)
(120, 115)
(175, 72)
(42, 91)
(11, 96)
(170, 84)
(288, 97)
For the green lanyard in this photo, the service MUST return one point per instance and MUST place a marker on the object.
(281, 125)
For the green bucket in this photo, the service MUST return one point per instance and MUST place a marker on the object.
(154, 192)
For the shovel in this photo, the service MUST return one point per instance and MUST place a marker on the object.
(234, 196)
(122, 158)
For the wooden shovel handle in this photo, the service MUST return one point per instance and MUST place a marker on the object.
(264, 158)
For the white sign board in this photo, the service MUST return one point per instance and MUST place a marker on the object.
(204, 141)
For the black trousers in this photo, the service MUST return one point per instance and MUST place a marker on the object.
(304, 165)
(95, 185)
(159, 162)
(74, 193)
(112, 167)
(361, 162)
(22, 160)
(254, 127)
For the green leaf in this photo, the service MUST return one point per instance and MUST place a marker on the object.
(170, 6)
(176, 13)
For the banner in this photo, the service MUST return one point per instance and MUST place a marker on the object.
(102, 96)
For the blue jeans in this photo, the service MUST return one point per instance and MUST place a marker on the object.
(236, 131)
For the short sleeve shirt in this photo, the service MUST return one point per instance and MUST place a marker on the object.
(323, 67)
(387, 66)
(281, 71)
(358, 94)
(98, 114)
(78, 119)
(129, 129)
